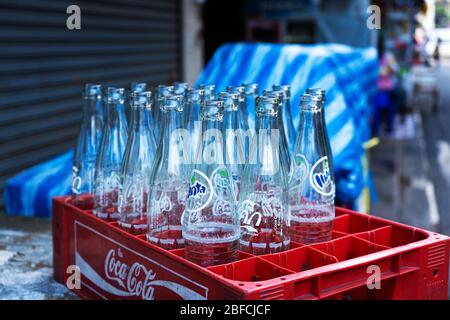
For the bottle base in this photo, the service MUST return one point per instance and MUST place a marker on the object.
(211, 254)
(265, 242)
(310, 232)
(135, 226)
(168, 239)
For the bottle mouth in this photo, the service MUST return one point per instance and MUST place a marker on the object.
(180, 87)
(311, 102)
(92, 91)
(115, 95)
(164, 90)
(279, 95)
(230, 101)
(172, 102)
(316, 91)
(195, 95)
(141, 99)
(267, 106)
(251, 88)
(209, 91)
(286, 89)
(213, 110)
(138, 86)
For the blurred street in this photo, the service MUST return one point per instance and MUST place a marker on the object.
(412, 173)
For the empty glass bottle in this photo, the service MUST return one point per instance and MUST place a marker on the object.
(88, 142)
(311, 185)
(195, 99)
(136, 166)
(251, 92)
(264, 207)
(234, 137)
(286, 115)
(169, 178)
(110, 155)
(210, 221)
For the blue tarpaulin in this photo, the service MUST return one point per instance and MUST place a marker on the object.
(349, 75)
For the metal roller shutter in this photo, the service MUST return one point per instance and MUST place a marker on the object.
(43, 66)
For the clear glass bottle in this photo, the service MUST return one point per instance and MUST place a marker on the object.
(195, 100)
(210, 221)
(284, 149)
(88, 143)
(311, 181)
(138, 158)
(169, 179)
(264, 207)
(286, 115)
(233, 138)
(110, 155)
(251, 93)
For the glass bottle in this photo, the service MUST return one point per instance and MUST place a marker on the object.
(286, 115)
(234, 138)
(284, 149)
(138, 158)
(110, 155)
(311, 181)
(210, 221)
(169, 178)
(251, 92)
(88, 143)
(264, 207)
(195, 99)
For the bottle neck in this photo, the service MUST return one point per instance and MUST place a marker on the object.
(115, 115)
(194, 111)
(140, 117)
(230, 119)
(92, 107)
(266, 122)
(172, 120)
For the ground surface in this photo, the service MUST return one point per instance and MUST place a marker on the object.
(412, 176)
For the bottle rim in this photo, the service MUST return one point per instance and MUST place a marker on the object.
(172, 102)
(142, 99)
(286, 89)
(267, 106)
(230, 100)
(92, 90)
(310, 101)
(115, 95)
(212, 110)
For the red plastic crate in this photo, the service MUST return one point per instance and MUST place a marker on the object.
(116, 265)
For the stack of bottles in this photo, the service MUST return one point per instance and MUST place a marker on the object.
(211, 172)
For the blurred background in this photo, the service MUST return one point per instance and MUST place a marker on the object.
(388, 70)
